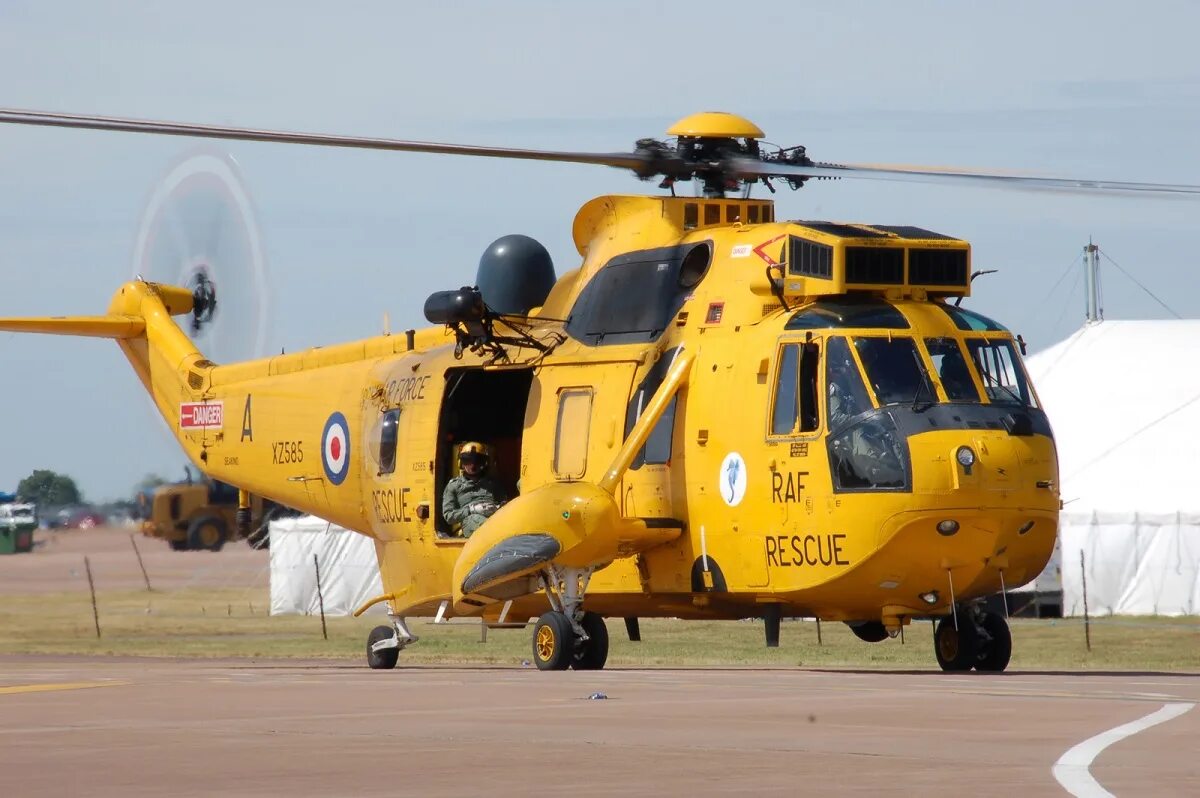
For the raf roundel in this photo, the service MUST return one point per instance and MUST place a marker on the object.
(335, 448)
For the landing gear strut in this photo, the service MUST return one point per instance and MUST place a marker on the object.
(567, 636)
(385, 643)
(981, 641)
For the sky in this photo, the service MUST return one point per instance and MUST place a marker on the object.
(1102, 90)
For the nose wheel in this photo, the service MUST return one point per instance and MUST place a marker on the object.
(980, 640)
(567, 636)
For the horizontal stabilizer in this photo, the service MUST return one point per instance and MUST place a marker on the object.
(110, 326)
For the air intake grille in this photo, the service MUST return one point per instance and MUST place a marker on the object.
(195, 380)
(875, 265)
(810, 259)
(937, 267)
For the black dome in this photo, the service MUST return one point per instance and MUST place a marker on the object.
(515, 274)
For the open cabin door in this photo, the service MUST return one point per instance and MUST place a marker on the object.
(486, 406)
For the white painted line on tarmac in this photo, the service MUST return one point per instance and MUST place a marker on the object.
(1071, 769)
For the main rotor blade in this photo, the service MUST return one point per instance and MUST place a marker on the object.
(748, 167)
(43, 118)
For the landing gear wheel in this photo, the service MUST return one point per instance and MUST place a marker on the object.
(385, 658)
(994, 654)
(956, 649)
(553, 642)
(594, 653)
(206, 533)
(869, 631)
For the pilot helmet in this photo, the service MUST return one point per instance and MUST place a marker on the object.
(473, 452)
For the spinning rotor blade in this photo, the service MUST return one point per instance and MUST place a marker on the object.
(645, 161)
(19, 117)
(749, 168)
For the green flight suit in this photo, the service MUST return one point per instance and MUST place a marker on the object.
(462, 498)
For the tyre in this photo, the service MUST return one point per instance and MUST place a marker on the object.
(206, 534)
(956, 649)
(178, 545)
(994, 653)
(553, 642)
(594, 653)
(869, 631)
(385, 658)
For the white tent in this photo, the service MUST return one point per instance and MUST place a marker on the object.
(1124, 402)
(349, 569)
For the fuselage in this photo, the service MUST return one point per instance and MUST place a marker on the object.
(808, 461)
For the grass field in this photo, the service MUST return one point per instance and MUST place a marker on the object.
(233, 623)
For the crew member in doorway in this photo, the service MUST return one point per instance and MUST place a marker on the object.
(472, 496)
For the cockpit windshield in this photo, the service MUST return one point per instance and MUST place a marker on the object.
(952, 370)
(1001, 372)
(895, 370)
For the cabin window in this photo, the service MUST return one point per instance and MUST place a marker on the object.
(571, 432)
(795, 407)
(634, 297)
(1001, 373)
(847, 394)
(895, 370)
(712, 213)
(388, 437)
(951, 368)
(657, 450)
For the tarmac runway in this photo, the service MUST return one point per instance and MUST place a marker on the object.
(140, 727)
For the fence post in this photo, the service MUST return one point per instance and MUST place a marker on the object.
(141, 564)
(92, 587)
(320, 598)
(1087, 624)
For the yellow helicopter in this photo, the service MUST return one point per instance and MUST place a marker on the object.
(717, 415)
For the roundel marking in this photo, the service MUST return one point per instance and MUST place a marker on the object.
(731, 480)
(335, 448)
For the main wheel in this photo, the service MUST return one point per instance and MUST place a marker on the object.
(994, 653)
(178, 545)
(956, 649)
(594, 653)
(553, 642)
(385, 658)
(206, 533)
(869, 631)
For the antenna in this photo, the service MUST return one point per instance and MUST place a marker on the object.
(1091, 267)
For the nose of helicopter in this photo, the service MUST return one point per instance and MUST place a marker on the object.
(984, 514)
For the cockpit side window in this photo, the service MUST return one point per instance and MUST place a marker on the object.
(895, 370)
(795, 407)
(1001, 372)
(847, 395)
(952, 369)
